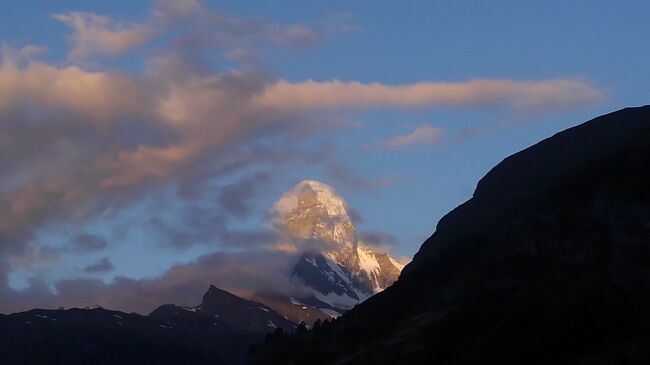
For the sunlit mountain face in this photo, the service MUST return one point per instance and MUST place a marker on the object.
(340, 269)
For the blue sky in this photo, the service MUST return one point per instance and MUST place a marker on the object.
(591, 57)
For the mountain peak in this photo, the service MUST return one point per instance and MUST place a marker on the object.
(340, 269)
(216, 297)
(312, 210)
(222, 307)
(312, 192)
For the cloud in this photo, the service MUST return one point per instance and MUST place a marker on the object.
(180, 128)
(183, 284)
(96, 95)
(34, 257)
(87, 243)
(230, 31)
(103, 265)
(425, 135)
(98, 34)
(95, 34)
(550, 95)
(199, 225)
(107, 139)
(236, 197)
(21, 54)
(244, 56)
(377, 239)
(177, 10)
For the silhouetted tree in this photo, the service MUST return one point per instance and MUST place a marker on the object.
(316, 325)
(326, 325)
(270, 337)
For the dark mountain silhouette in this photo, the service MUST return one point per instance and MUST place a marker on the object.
(219, 331)
(296, 310)
(221, 307)
(548, 262)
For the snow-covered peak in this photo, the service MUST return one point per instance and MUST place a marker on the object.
(340, 269)
(313, 211)
(308, 193)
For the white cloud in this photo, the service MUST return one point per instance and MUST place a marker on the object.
(98, 34)
(425, 135)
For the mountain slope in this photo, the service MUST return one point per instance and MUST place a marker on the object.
(220, 307)
(294, 309)
(99, 336)
(549, 262)
(170, 335)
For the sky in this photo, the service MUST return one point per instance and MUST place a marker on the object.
(143, 143)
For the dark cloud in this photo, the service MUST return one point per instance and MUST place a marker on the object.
(377, 239)
(201, 223)
(87, 243)
(248, 239)
(241, 273)
(34, 257)
(236, 198)
(355, 216)
(35, 295)
(103, 265)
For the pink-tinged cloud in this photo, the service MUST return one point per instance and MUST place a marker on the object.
(76, 144)
(335, 94)
(94, 34)
(169, 11)
(103, 265)
(98, 95)
(425, 135)
(21, 54)
(98, 34)
(186, 121)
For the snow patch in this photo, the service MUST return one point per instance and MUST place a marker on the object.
(330, 312)
(338, 301)
(311, 260)
(399, 266)
(367, 260)
(336, 269)
(295, 301)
